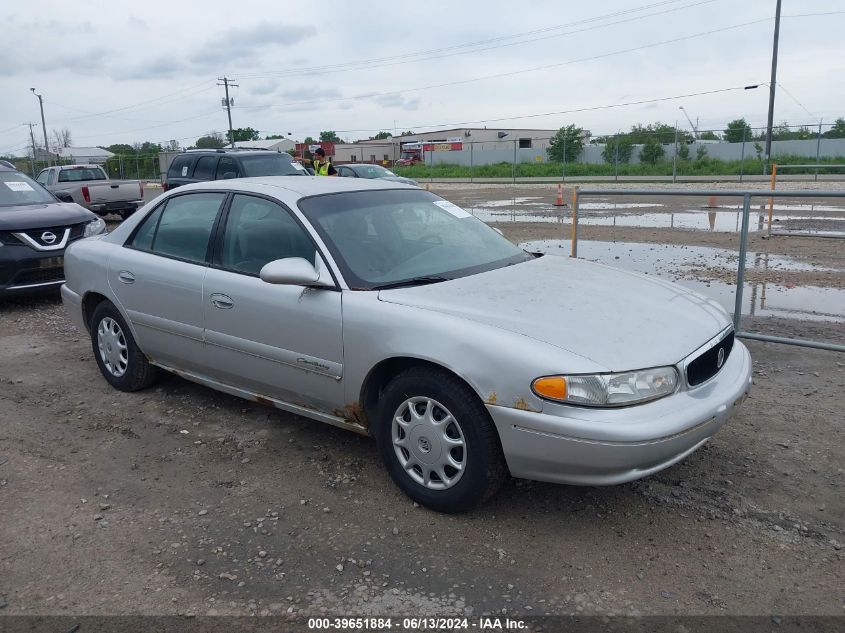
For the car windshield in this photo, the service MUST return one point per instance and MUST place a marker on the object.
(270, 164)
(18, 189)
(76, 174)
(373, 171)
(381, 238)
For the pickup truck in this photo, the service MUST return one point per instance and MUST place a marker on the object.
(89, 186)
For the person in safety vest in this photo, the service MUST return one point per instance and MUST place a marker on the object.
(322, 165)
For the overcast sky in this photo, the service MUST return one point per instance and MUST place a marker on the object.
(148, 72)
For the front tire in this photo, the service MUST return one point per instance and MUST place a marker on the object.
(438, 441)
(119, 358)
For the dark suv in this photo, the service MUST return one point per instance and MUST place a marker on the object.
(218, 164)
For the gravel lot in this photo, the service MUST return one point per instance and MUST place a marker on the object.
(183, 500)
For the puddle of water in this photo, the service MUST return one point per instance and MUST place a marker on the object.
(717, 221)
(786, 207)
(674, 262)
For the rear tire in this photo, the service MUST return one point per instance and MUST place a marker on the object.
(438, 441)
(119, 358)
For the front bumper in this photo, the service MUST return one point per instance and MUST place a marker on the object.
(23, 269)
(576, 445)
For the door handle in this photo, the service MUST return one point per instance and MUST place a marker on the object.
(126, 277)
(222, 301)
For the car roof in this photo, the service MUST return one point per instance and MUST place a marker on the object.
(303, 186)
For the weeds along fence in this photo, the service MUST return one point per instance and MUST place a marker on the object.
(668, 153)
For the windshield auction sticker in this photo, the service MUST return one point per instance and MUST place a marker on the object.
(452, 208)
(17, 185)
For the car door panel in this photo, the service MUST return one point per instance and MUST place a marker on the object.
(163, 303)
(158, 278)
(280, 341)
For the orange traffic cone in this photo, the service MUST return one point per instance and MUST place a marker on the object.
(559, 199)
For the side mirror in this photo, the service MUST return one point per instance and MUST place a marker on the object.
(64, 196)
(229, 175)
(294, 271)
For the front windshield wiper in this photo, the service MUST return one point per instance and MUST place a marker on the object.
(414, 281)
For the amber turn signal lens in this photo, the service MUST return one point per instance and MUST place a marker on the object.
(553, 387)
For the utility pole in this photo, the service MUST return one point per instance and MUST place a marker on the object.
(773, 83)
(226, 84)
(43, 127)
(32, 138)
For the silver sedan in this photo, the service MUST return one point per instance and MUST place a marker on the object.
(386, 310)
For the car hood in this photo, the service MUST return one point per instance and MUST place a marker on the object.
(402, 179)
(42, 216)
(617, 319)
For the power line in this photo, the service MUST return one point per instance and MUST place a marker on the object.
(523, 70)
(401, 59)
(559, 112)
(141, 104)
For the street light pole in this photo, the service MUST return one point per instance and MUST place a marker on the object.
(43, 127)
(773, 83)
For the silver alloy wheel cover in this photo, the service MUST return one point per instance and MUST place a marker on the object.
(428, 440)
(112, 345)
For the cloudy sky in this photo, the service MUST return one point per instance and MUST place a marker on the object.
(148, 72)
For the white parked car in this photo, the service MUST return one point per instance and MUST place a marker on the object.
(386, 310)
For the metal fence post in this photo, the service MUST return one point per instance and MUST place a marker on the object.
(818, 151)
(573, 250)
(740, 269)
(470, 160)
(563, 176)
(513, 165)
(675, 156)
(616, 160)
(742, 155)
(772, 200)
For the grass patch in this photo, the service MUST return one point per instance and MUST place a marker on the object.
(704, 167)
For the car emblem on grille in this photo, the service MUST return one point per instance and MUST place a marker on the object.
(48, 237)
(720, 358)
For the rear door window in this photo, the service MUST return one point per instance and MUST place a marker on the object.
(180, 167)
(205, 168)
(228, 165)
(180, 228)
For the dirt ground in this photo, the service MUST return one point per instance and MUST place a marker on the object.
(183, 500)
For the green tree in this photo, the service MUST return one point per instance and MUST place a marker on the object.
(172, 146)
(381, 136)
(708, 135)
(683, 151)
(121, 149)
(212, 140)
(329, 136)
(273, 137)
(620, 147)
(838, 129)
(149, 148)
(737, 130)
(652, 151)
(701, 152)
(407, 133)
(663, 132)
(245, 134)
(309, 140)
(568, 141)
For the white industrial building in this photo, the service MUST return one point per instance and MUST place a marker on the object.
(481, 139)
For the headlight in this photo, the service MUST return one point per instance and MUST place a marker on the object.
(608, 390)
(95, 227)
